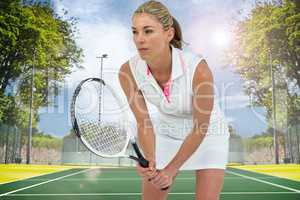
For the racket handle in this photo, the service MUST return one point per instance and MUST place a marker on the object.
(142, 161)
(145, 163)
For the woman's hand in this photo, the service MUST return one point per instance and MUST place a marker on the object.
(149, 172)
(164, 178)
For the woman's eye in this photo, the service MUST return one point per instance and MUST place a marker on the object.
(134, 32)
(148, 31)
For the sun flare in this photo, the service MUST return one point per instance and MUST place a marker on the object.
(221, 38)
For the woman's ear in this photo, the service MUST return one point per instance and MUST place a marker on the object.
(170, 34)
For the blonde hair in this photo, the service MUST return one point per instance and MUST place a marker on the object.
(163, 15)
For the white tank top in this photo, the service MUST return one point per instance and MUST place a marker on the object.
(174, 103)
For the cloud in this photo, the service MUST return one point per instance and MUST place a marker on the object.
(219, 6)
(88, 9)
(231, 120)
(97, 39)
(236, 101)
(98, 35)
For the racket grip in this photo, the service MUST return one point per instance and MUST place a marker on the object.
(145, 163)
(142, 161)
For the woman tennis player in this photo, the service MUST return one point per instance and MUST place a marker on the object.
(190, 132)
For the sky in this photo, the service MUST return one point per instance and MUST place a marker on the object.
(105, 28)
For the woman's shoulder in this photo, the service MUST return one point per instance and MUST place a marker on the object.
(130, 67)
(134, 61)
(190, 57)
(134, 58)
(130, 63)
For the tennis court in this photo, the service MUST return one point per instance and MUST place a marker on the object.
(123, 183)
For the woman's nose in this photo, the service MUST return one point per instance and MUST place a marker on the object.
(140, 38)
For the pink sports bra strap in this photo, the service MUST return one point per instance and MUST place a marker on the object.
(167, 86)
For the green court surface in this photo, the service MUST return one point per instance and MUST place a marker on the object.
(115, 184)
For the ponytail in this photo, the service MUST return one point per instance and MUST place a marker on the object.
(177, 39)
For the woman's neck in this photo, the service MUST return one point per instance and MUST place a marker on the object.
(162, 63)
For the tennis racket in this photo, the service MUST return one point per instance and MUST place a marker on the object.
(103, 128)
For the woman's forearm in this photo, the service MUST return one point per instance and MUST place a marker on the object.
(146, 138)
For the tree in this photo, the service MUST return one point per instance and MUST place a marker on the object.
(271, 28)
(270, 33)
(47, 142)
(32, 34)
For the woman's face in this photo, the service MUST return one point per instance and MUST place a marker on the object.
(149, 36)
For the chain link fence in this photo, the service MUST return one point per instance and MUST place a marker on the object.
(75, 153)
(10, 144)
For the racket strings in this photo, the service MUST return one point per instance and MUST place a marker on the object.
(106, 138)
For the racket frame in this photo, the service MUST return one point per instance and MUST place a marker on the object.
(139, 156)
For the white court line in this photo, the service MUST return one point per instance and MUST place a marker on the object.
(274, 175)
(262, 181)
(137, 193)
(134, 179)
(106, 179)
(31, 186)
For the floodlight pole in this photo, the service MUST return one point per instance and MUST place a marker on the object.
(275, 144)
(101, 89)
(29, 143)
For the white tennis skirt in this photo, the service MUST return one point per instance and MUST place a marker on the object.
(211, 153)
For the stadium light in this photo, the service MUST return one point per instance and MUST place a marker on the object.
(101, 89)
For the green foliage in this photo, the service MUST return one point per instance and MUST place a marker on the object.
(257, 143)
(9, 112)
(31, 34)
(46, 141)
(4, 101)
(271, 32)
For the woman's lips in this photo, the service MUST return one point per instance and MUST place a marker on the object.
(142, 50)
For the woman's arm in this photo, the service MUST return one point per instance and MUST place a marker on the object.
(203, 100)
(138, 106)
